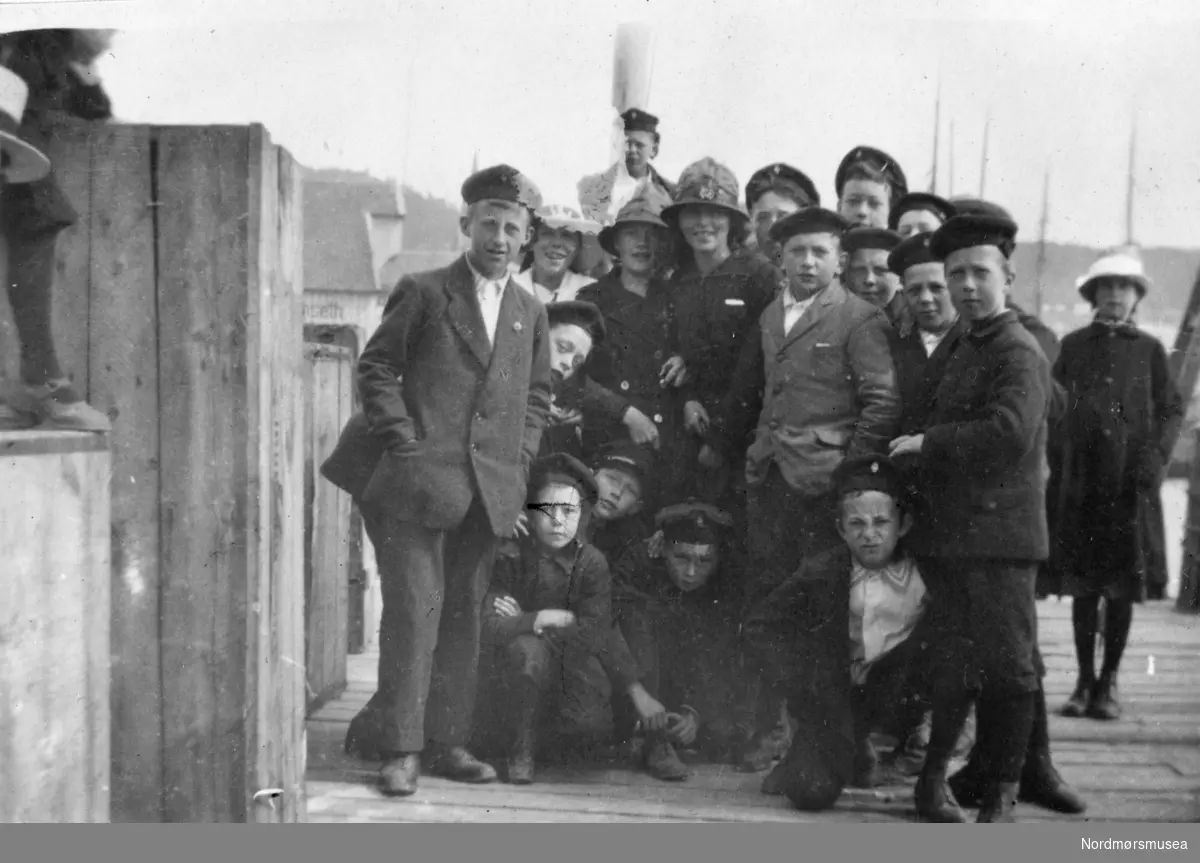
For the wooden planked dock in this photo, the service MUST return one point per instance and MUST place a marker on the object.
(1146, 767)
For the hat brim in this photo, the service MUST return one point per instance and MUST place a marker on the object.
(672, 212)
(25, 163)
(582, 226)
(608, 234)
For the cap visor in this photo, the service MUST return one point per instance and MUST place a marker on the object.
(25, 163)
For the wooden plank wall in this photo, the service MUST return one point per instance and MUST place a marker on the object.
(54, 626)
(327, 563)
(177, 308)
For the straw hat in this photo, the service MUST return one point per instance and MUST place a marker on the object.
(556, 216)
(1122, 264)
(20, 162)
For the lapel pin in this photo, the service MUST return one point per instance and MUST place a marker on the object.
(517, 326)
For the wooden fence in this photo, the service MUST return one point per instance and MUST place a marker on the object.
(178, 310)
(329, 403)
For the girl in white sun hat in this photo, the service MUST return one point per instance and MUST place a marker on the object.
(1109, 453)
(552, 270)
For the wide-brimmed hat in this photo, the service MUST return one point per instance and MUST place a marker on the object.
(707, 183)
(20, 161)
(645, 208)
(1121, 264)
(557, 216)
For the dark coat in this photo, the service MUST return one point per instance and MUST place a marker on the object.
(823, 392)
(1111, 449)
(982, 469)
(803, 626)
(447, 416)
(918, 373)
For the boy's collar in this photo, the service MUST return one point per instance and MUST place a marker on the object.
(565, 555)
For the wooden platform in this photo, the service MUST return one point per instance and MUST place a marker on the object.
(1145, 767)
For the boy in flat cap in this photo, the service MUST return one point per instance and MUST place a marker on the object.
(919, 213)
(981, 466)
(601, 196)
(718, 292)
(679, 612)
(45, 75)
(638, 361)
(547, 614)
(623, 472)
(869, 183)
(816, 383)
(868, 276)
(837, 696)
(773, 192)
(456, 392)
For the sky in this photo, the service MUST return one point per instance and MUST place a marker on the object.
(412, 90)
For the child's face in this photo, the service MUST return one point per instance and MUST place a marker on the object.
(555, 514)
(689, 565)
(871, 524)
(620, 494)
(569, 349)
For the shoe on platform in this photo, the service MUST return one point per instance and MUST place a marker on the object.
(455, 762)
(999, 804)
(61, 409)
(1080, 701)
(1104, 704)
(398, 776)
(934, 800)
(520, 754)
(1042, 786)
(759, 754)
(662, 761)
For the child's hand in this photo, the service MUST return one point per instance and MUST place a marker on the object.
(553, 618)
(685, 727)
(655, 547)
(565, 416)
(506, 606)
(651, 713)
(521, 528)
(673, 373)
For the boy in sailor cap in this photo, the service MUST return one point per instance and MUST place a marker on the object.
(868, 276)
(835, 696)
(773, 192)
(869, 183)
(548, 613)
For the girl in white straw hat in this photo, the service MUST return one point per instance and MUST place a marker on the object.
(1109, 455)
(552, 270)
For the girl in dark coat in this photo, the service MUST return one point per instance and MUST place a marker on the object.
(1111, 448)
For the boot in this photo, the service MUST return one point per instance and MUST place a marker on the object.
(1080, 702)
(932, 797)
(998, 804)
(934, 800)
(455, 762)
(1041, 784)
(398, 777)
(661, 761)
(908, 757)
(62, 409)
(1104, 705)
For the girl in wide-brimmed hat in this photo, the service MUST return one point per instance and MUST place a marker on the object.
(1111, 451)
(551, 269)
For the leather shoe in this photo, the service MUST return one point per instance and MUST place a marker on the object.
(934, 801)
(662, 762)
(398, 777)
(1080, 701)
(455, 762)
(1042, 786)
(998, 804)
(1104, 701)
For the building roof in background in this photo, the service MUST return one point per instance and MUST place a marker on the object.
(337, 238)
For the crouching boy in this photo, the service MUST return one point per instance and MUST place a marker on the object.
(679, 614)
(838, 688)
(547, 616)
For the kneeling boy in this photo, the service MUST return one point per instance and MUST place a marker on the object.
(838, 689)
(548, 614)
(680, 615)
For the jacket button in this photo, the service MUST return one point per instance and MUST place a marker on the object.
(625, 385)
(658, 418)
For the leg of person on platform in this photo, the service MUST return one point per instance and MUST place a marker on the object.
(657, 756)
(1084, 611)
(364, 736)
(51, 400)
(1118, 619)
(531, 663)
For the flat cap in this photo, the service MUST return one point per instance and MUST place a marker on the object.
(968, 231)
(814, 220)
(781, 176)
(857, 239)
(626, 456)
(940, 207)
(637, 120)
(913, 251)
(870, 473)
(966, 206)
(587, 316)
(560, 467)
(501, 183)
(874, 159)
(706, 182)
(693, 522)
